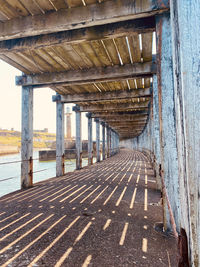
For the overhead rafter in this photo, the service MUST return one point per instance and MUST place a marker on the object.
(81, 17)
(125, 120)
(127, 123)
(111, 95)
(116, 107)
(85, 76)
(79, 35)
(116, 114)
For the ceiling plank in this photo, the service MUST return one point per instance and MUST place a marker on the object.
(105, 96)
(88, 75)
(81, 17)
(116, 107)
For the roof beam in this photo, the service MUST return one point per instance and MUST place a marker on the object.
(117, 107)
(79, 35)
(104, 96)
(81, 17)
(116, 114)
(85, 76)
(127, 123)
(125, 120)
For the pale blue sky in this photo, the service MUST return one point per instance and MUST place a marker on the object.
(44, 108)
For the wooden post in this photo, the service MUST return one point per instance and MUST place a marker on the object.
(168, 146)
(103, 140)
(108, 140)
(60, 148)
(186, 46)
(156, 133)
(78, 138)
(90, 142)
(97, 139)
(111, 143)
(27, 138)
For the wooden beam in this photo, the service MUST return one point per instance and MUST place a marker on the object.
(79, 35)
(75, 77)
(115, 114)
(105, 96)
(128, 127)
(126, 123)
(117, 107)
(81, 17)
(124, 119)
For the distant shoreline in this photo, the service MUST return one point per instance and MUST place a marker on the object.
(7, 150)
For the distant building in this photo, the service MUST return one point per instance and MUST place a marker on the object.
(45, 130)
(68, 123)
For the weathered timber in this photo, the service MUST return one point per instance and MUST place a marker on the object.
(78, 138)
(121, 94)
(125, 123)
(103, 140)
(156, 133)
(169, 162)
(27, 137)
(60, 149)
(124, 119)
(75, 77)
(80, 17)
(97, 139)
(108, 140)
(121, 106)
(77, 36)
(115, 114)
(90, 143)
(186, 46)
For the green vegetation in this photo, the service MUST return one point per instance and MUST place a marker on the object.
(40, 139)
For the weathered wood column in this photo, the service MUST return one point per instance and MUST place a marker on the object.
(27, 138)
(111, 142)
(156, 133)
(97, 139)
(186, 66)
(108, 140)
(103, 140)
(78, 138)
(90, 142)
(115, 142)
(60, 146)
(168, 146)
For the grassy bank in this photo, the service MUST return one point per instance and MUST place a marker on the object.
(13, 138)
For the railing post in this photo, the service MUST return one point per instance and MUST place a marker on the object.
(27, 138)
(60, 147)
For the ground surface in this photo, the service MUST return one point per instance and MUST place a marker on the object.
(102, 215)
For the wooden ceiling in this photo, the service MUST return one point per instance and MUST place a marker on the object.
(97, 54)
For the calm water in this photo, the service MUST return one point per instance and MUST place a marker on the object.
(44, 170)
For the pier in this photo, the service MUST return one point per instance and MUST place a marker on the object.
(102, 215)
(133, 68)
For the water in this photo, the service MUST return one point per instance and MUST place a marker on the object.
(44, 170)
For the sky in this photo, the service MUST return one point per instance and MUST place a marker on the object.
(44, 109)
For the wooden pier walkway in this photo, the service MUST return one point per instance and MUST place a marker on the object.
(102, 215)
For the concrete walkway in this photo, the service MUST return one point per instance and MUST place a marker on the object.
(102, 215)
